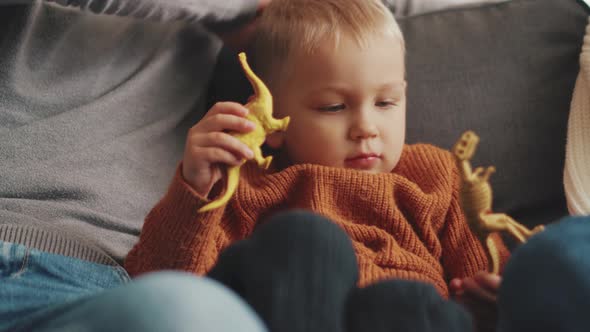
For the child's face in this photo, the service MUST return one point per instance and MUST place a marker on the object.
(347, 106)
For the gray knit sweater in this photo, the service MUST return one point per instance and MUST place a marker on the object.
(96, 97)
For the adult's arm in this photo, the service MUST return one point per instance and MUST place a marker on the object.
(576, 175)
(403, 8)
(202, 11)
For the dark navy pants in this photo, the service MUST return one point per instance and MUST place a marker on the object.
(546, 285)
(299, 272)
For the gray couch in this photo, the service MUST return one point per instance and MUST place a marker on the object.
(506, 71)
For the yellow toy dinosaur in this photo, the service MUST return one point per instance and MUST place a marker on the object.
(260, 113)
(476, 201)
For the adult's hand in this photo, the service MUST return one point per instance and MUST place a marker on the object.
(238, 39)
(263, 3)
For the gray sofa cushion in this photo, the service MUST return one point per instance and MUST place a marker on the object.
(506, 71)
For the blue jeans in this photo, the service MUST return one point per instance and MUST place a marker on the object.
(46, 292)
(546, 283)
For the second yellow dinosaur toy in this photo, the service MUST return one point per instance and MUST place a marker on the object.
(260, 112)
(476, 201)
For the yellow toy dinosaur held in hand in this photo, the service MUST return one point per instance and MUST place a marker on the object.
(260, 113)
(476, 201)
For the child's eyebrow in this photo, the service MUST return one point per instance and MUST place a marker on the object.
(334, 89)
(398, 86)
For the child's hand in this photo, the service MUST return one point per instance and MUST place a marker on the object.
(209, 145)
(479, 294)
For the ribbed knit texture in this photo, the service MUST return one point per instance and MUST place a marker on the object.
(577, 161)
(406, 224)
(94, 110)
(54, 243)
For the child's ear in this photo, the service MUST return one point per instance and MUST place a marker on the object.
(275, 140)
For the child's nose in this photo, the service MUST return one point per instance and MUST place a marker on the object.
(363, 130)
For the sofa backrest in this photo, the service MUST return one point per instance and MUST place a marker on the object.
(506, 71)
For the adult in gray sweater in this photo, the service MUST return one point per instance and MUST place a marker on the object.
(95, 100)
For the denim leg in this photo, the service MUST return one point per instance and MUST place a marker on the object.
(73, 295)
(32, 280)
(160, 302)
(546, 283)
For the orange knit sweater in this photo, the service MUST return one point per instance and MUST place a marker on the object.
(405, 224)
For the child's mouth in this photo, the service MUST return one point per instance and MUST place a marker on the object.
(363, 161)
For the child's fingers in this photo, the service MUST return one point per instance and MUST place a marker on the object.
(456, 286)
(473, 289)
(227, 122)
(488, 281)
(217, 156)
(227, 107)
(226, 142)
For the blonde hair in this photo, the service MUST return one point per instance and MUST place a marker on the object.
(287, 27)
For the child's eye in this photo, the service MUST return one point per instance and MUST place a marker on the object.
(331, 108)
(385, 104)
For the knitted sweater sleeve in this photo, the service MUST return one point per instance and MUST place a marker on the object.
(463, 254)
(204, 11)
(576, 175)
(176, 237)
